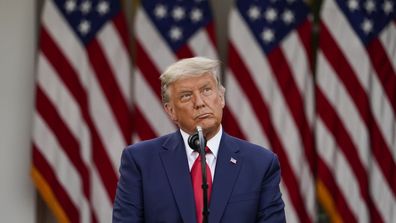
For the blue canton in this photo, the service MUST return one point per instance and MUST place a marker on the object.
(86, 17)
(271, 20)
(368, 17)
(178, 20)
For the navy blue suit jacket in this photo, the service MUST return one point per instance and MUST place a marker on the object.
(155, 183)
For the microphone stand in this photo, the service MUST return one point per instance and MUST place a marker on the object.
(202, 144)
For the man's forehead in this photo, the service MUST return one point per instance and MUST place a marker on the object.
(194, 81)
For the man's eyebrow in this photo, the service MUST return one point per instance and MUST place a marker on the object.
(184, 91)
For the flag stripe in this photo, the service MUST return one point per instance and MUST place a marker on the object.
(340, 64)
(144, 130)
(385, 72)
(68, 142)
(70, 180)
(387, 38)
(82, 107)
(118, 59)
(41, 164)
(230, 123)
(145, 65)
(69, 77)
(121, 25)
(236, 64)
(203, 42)
(326, 176)
(334, 124)
(248, 121)
(152, 42)
(293, 99)
(143, 91)
(184, 52)
(109, 86)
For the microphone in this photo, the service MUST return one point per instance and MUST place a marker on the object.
(197, 142)
(194, 140)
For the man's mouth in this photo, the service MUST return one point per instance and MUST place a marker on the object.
(202, 116)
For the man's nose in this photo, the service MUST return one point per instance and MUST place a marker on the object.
(198, 100)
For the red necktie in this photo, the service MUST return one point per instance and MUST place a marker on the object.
(196, 176)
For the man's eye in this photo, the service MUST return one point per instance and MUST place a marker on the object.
(185, 97)
(207, 91)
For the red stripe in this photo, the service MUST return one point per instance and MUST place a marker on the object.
(292, 96)
(231, 125)
(384, 70)
(210, 29)
(262, 113)
(70, 78)
(110, 88)
(305, 36)
(69, 144)
(143, 129)
(184, 52)
(345, 144)
(326, 176)
(119, 22)
(46, 171)
(148, 69)
(349, 78)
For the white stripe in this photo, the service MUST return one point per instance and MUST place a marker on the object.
(350, 45)
(64, 170)
(59, 95)
(387, 38)
(345, 179)
(149, 103)
(357, 57)
(105, 123)
(70, 46)
(101, 114)
(291, 216)
(384, 115)
(201, 45)
(161, 55)
(239, 105)
(283, 122)
(135, 137)
(296, 57)
(101, 204)
(118, 58)
(382, 194)
(259, 68)
(65, 105)
(342, 103)
(72, 49)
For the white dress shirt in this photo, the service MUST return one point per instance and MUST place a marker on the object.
(213, 144)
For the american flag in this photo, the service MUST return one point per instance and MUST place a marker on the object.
(166, 31)
(356, 110)
(82, 116)
(270, 92)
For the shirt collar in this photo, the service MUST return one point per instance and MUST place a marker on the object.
(212, 143)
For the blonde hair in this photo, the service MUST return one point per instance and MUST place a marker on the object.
(189, 67)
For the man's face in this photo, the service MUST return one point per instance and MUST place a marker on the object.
(196, 101)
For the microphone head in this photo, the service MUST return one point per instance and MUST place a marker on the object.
(193, 141)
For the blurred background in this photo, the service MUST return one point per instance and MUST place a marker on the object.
(314, 81)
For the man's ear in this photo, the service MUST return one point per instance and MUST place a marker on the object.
(170, 111)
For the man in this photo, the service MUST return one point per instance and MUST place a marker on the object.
(155, 183)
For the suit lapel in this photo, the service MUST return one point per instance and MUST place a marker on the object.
(175, 162)
(227, 169)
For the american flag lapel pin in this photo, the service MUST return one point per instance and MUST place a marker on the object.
(232, 160)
